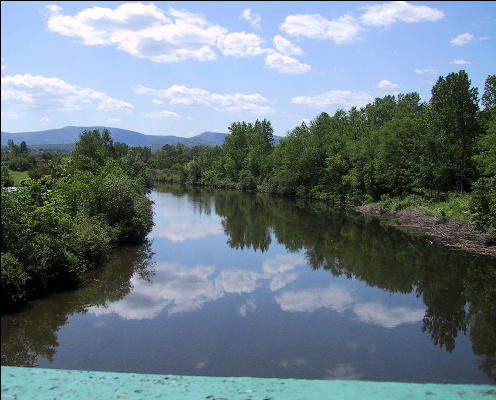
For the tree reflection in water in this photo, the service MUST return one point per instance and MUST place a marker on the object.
(458, 289)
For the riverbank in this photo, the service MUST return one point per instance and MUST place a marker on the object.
(458, 234)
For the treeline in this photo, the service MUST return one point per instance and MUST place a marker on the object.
(57, 226)
(397, 146)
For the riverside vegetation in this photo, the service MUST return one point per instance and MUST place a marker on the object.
(72, 210)
(439, 155)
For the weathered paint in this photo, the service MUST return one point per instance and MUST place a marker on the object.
(40, 383)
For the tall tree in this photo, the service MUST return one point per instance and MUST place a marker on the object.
(454, 107)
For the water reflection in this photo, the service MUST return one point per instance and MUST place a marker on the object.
(175, 287)
(32, 333)
(259, 302)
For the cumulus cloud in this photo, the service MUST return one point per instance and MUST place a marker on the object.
(253, 19)
(175, 287)
(53, 94)
(282, 263)
(237, 281)
(462, 39)
(241, 44)
(425, 71)
(334, 98)
(157, 101)
(114, 120)
(165, 114)
(284, 46)
(384, 15)
(484, 38)
(179, 231)
(310, 300)
(377, 314)
(182, 95)
(286, 64)
(248, 306)
(460, 61)
(44, 120)
(344, 29)
(385, 84)
(142, 30)
(282, 279)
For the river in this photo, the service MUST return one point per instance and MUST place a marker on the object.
(234, 284)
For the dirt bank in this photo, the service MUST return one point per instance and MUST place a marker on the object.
(459, 235)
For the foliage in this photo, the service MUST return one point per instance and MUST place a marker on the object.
(7, 179)
(57, 226)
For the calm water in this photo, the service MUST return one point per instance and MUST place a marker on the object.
(232, 284)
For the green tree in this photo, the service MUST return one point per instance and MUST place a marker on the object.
(454, 106)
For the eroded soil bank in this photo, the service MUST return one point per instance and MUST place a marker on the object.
(457, 234)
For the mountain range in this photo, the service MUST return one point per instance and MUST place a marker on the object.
(69, 135)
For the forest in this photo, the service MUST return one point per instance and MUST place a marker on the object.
(70, 210)
(397, 150)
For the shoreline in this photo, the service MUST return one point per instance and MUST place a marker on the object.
(456, 234)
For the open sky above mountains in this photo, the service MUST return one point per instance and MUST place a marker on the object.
(182, 68)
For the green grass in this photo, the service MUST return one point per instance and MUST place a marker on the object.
(451, 205)
(18, 176)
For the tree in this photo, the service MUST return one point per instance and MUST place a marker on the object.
(454, 106)
(6, 178)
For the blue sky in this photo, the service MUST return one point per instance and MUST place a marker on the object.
(181, 68)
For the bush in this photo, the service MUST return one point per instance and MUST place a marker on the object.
(14, 278)
(483, 205)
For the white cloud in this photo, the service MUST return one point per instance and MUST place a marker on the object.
(241, 44)
(182, 95)
(50, 94)
(304, 120)
(114, 120)
(237, 281)
(484, 38)
(181, 230)
(332, 98)
(165, 114)
(248, 306)
(384, 15)
(310, 300)
(284, 46)
(282, 263)
(462, 39)
(157, 101)
(142, 30)
(460, 62)
(3, 65)
(385, 84)
(10, 115)
(286, 64)
(253, 19)
(282, 279)
(175, 287)
(377, 314)
(44, 120)
(425, 71)
(341, 30)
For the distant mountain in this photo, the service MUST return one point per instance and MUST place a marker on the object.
(70, 135)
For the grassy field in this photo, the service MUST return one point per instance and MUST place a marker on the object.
(18, 176)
